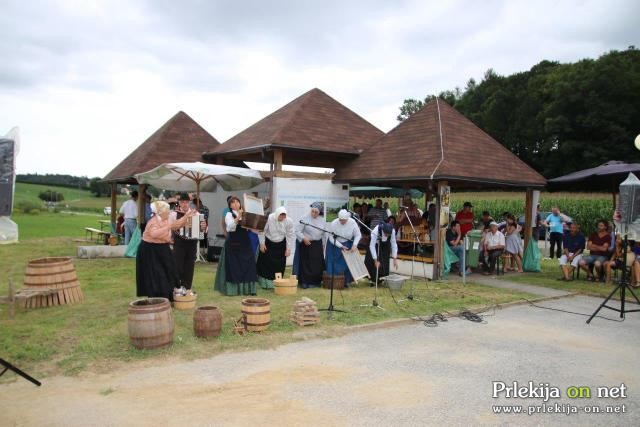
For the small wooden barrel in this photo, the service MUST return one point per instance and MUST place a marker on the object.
(54, 274)
(207, 321)
(338, 281)
(150, 323)
(285, 286)
(257, 312)
(186, 302)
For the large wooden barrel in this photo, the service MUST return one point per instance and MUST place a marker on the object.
(207, 321)
(150, 323)
(257, 312)
(55, 278)
(338, 281)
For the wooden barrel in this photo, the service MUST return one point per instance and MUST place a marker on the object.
(257, 312)
(285, 286)
(338, 281)
(55, 276)
(207, 321)
(150, 323)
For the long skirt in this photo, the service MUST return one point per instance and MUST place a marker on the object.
(236, 274)
(156, 273)
(384, 255)
(310, 263)
(335, 262)
(271, 262)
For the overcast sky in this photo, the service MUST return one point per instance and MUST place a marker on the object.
(88, 81)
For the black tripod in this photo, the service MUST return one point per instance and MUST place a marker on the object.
(330, 309)
(416, 240)
(24, 375)
(623, 285)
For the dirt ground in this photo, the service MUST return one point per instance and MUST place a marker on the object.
(405, 375)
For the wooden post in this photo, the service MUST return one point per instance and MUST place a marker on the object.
(528, 216)
(12, 300)
(277, 160)
(142, 189)
(437, 252)
(114, 207)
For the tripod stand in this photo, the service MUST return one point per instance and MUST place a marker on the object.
(375, 302)
(416, 240)
(331, 308)
(622, 287)
(24, 375)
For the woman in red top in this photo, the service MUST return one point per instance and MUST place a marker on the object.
(465, 218)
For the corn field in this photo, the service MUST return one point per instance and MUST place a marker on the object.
(585, 208)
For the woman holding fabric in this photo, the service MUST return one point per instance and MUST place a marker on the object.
(276, 243)
(308, 263)
(380, 250)
(156, 273)
(239, 268)
(347, 236)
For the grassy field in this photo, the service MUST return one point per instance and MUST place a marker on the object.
(74, 199)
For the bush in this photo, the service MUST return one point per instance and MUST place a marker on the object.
(28, 207)
(51, 196)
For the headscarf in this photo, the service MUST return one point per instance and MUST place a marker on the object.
(343, 214)
(318, 205)
(386, 228)
(281, 210)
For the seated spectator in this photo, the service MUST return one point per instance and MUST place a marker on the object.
(616, 261)
(456, 243)
(486, 219)
(493, 246)
(598, 246)
(573, 243)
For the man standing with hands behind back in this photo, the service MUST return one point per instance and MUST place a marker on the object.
(129, 210)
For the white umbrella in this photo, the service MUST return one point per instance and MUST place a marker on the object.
(198, 176)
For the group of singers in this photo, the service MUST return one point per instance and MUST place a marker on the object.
(250, 257)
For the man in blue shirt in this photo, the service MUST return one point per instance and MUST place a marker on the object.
(554, 222)
(574, 243)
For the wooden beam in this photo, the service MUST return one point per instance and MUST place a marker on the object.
(142, 189)
(528, 216)
(114, 201)
(277, 160)
(440, 238)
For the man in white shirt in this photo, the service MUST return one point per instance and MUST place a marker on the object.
(129, 210)
(494, 244)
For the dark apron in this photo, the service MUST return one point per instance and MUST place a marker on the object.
(239, 260)
(311, 263)
(273, 260)
(384, 254)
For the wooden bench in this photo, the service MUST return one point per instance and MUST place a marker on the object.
(101, 235)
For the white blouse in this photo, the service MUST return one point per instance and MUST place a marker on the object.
(303, 230)
(349, 230)
(374, 237)
(277, 231)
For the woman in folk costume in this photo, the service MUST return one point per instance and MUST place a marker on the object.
(239, 269)
(381, 250)
(156, 273)
(276, 243)
(347, 237)
(308, 262)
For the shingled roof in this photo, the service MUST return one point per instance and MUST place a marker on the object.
(180, 139)
(312, 130)
(414, 152)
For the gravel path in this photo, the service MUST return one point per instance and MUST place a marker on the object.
(406, 375)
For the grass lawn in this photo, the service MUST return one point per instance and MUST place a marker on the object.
(74, 199)
(551, 272)
(69, 339)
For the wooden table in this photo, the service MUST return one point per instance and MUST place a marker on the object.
(105, 223)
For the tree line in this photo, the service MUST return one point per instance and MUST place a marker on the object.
(558, 118)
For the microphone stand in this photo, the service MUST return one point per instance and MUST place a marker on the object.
(375, 302)
(23, 374)
(413, 253)
(329, 309)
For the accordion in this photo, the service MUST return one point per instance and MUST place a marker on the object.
(191, 230)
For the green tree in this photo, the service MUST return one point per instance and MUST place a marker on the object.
(99, 188)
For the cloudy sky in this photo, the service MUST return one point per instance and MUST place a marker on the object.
(89, 81)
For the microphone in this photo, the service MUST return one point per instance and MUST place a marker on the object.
(352, 213)
(403, 207)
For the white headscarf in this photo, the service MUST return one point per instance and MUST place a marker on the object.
(343, 214)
